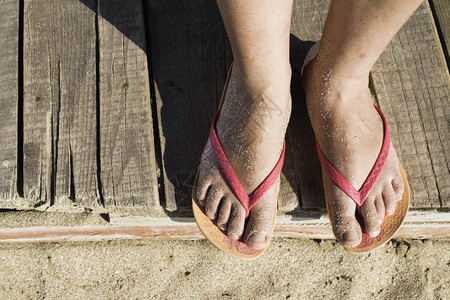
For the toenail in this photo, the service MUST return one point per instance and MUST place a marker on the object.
(256, 238)
(351, 236)
(374, 233)
(233, 236)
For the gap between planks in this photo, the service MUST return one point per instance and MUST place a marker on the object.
(418, 225)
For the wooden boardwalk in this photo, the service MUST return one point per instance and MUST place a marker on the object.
(106, 106)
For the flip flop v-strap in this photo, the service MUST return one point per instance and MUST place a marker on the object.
(248, 201)
(359, 196)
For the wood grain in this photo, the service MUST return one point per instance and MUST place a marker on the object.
(441, 11)
(60, 162)
(128, 167)
(412, 85)
(9, 40)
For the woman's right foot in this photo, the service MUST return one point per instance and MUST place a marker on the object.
(349, 131)
(251, 129)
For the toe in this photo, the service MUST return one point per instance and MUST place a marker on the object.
(259, 227)
(236, 221)
(389, 199)
(398, 186)
(347, 231)
(212, 201)
(370, 217)
(345, 226)
(381, 210)
(224, 213)
(201, 190)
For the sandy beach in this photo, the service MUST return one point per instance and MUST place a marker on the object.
(290, 269)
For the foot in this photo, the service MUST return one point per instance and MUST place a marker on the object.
(349, 131)
(251, 129)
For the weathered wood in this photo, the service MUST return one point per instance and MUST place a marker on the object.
(307, 21)
(308, 18)
(60, 165)
(9, 40)
(441, 10)
(128, 167)
(419, 225)
(190, 57)
(412, 85)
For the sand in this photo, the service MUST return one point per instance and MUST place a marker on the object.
(290, 269)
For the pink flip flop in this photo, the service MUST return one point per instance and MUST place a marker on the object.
(391, 224)
(208, 227)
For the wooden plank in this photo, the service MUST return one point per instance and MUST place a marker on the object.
(308, 18)
(412, 85)
(418, 225)
(441, 11)
(60, 165)
(307, 21)
(9, 39)
(128, 167)
(190, 57)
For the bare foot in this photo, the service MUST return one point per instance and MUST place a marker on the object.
(349, 131)
(251, 129)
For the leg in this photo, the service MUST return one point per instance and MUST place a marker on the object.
(254, 116)
(347, 127)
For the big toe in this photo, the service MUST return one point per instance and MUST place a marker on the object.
(258, 233)
(348, 232)
(346, 227)
(260, 225)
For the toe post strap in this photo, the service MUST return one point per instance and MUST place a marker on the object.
(247, 200)
(359, 196)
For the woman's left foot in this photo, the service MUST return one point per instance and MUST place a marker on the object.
(349, 131)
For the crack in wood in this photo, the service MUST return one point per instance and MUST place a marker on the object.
(49, 152)
(55, 136)
(154, 108)
(71, 176)
(20, 90)
(100, 199)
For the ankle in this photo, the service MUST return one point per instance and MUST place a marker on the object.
(328, 87)
(266, 93)
(263, 77)
(344, 62)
